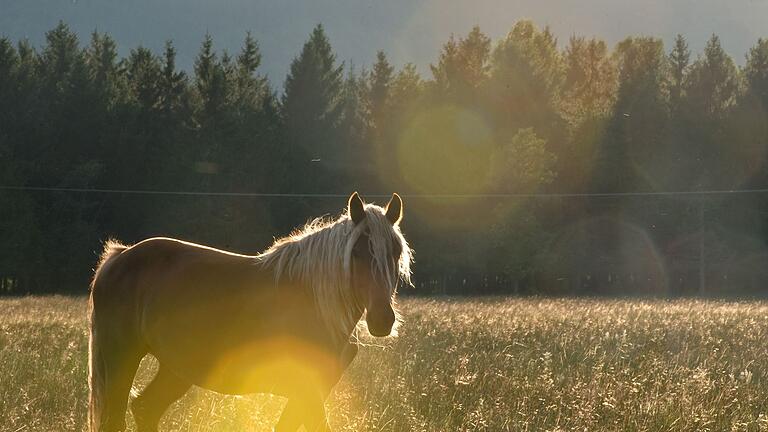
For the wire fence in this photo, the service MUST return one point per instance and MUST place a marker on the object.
(663, 243)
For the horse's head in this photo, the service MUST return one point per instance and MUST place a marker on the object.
(380, 258)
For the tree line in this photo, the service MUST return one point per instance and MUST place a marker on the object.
(515, 157)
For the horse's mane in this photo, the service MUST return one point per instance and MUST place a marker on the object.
(319, 255)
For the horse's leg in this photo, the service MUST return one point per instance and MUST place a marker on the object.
(120, 367)
(149, 406)
(307, 410)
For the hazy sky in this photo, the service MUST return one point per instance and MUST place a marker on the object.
(409, 31)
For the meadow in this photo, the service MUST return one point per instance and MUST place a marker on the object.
(495, 364)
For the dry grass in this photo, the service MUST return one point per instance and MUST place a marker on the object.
(492, 364)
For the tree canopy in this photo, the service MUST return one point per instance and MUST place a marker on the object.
(518, 158)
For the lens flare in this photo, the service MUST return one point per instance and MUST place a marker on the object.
(445, 151)
(279, 365)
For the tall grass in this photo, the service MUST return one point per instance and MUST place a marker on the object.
(493, 364)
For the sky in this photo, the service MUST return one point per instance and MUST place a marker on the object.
(408, 31)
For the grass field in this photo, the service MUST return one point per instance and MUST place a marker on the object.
(493, 364)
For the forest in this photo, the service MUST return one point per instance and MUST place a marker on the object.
(528, 165)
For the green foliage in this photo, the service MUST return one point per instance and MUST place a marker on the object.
(312, 93)
(516, 116)
(379, 87)
(714, 82)
(311, 110)
(523, 165)
(463, 67)
(637, 126)
(679, 62)
(526, 75)
(589, 87)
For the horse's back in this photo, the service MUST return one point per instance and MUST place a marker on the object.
(174, 276)
(165, 263)
(166, 245)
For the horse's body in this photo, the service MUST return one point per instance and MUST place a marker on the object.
(240, 324)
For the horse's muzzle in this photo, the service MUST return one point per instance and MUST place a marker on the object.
(380, 325)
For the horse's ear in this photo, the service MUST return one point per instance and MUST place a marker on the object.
(355, 208)
(395, 209)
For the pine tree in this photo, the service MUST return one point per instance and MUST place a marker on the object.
(211, 83)
(356, 155)
(143, 72)
(173, 84)
(406, 91)
(251, 87)
(756, 72)
(639, 119)
(475, 52)
(60, 60)
(25, 101)
(172, 155)
(101, 57)
(679, 59)
(311, 110)
(462, 67)
(379, 88)
(711, 93)
(65, 86)
(9, 63)
(714, 82)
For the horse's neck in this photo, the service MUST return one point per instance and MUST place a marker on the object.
(300, 297)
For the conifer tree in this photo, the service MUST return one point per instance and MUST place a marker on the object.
(462, 67)
(756, 71)
(714, 82)
(311, 111)
(639, 118)
(679, 60)
(379, 85)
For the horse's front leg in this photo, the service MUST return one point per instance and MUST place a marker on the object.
(307, 410)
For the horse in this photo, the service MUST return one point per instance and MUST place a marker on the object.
(284, 321)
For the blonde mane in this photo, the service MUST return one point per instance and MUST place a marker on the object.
(319, 255)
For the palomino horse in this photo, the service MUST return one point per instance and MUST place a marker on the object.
(280, 322)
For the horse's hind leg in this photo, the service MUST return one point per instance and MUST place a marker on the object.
(149, 406)
(120, 368)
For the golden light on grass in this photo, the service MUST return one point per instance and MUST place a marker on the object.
(459, 364)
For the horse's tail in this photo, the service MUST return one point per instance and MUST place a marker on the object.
(96, 364)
